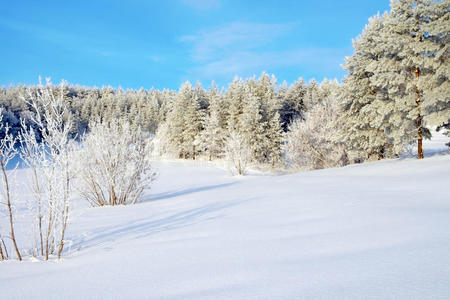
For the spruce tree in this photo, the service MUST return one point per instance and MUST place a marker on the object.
(212, 139)
(411, 69)
(251, 127)
(363, 131)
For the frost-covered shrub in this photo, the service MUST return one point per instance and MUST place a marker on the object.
(47, 149)
(311, 143)
(7, 153)
(237, 153)
(114, 164)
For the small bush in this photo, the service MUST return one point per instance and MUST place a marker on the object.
(114, 164)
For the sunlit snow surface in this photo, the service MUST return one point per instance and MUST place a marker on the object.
(373, 231)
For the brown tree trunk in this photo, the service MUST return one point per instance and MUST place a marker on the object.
(419, 119)
(63, 232)
(113, 197)
(419, 144)
(4, 247)
(2, 256)
(11, 221)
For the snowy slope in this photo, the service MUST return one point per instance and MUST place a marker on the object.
(373, 231)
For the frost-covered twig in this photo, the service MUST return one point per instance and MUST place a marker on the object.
(49, 155)
(8, 152)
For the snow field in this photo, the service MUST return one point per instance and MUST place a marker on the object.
(378, 230)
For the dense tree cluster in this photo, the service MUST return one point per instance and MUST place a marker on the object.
(396, 91)
(191, 121)
(254, 110)
(398, 83)
(141, 108)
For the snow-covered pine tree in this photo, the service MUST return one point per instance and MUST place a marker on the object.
(273, 139)
(212, 139)
(184, 123)
(293, 106)
(363, 129)
(251, 125)
(193, 122)
(311, 95)
(437, 113)
(414, 42)
(234, 103)
(265, 90)
(171, 133)
(201, 95)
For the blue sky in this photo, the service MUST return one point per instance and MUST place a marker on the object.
(161, 44)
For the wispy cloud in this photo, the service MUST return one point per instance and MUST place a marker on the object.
(231, 38)
(202, 5)
(252, 63)
(245, 49)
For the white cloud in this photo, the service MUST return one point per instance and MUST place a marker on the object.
(231, 38)
(242, 49)
(252, 63)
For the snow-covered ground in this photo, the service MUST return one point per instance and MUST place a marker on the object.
(373, 231)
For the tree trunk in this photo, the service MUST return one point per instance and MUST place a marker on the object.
(4, 247)
(40, 234)
(113, 197)
(419, 118)
(63, 232)
(11, 221)
(38, 191)
(49, 227)
(65, 213)
(47, 238)
(2, 257)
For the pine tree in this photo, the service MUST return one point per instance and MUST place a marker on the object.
(212, 139)
(174, 136)
(193, 117)
(363, 131)
(184, 123)
(234, 102)
(311, 95)
(251, 126)
(411, 69)
(293, 102)
(273, 139)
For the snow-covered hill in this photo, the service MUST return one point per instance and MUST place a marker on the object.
(372, 231)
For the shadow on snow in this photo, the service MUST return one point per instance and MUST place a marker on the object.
(144, 227)
(173, 194)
